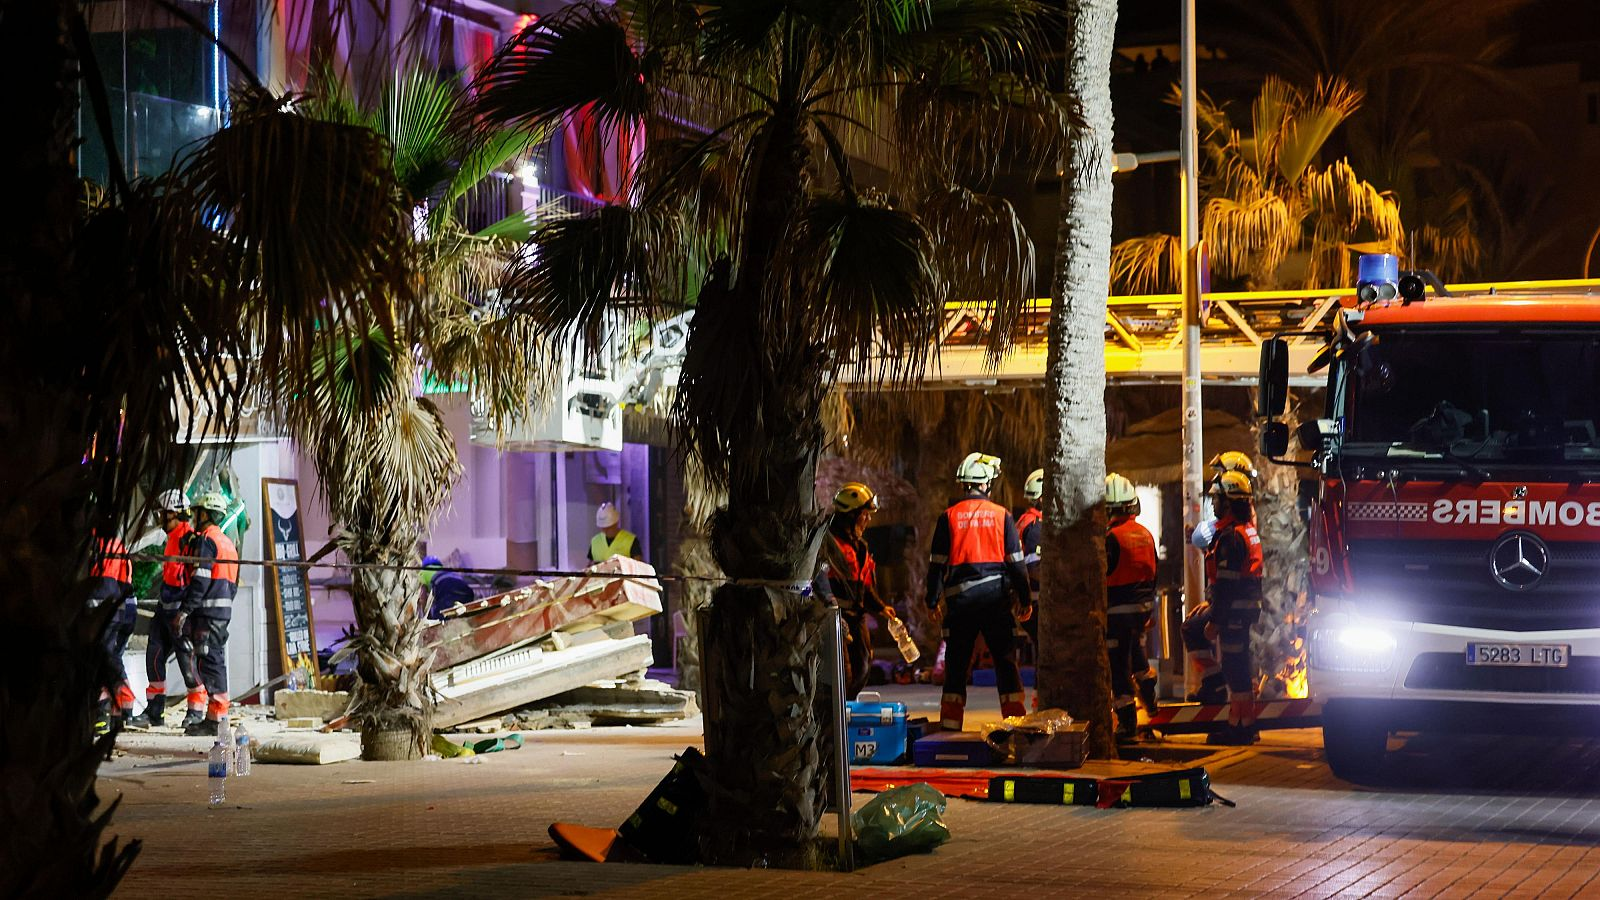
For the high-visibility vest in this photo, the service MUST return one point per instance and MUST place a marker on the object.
(174, 573)
(1131, 586)
(602, 548)
(117, 569)
(1237, 586)
(977, 532)
(223, 572)
(853, 570)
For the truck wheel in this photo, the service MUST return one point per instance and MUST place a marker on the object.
(1355, 745)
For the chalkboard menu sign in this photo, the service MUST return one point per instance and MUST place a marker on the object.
(291, 600)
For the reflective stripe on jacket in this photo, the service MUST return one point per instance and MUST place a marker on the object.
(215, 578)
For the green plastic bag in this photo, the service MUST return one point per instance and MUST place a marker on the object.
(900, 821)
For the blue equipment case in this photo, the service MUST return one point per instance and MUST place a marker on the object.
(877, 730)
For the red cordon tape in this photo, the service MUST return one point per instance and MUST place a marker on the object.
(1191, 717)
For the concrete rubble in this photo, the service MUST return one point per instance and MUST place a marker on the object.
(514, 649)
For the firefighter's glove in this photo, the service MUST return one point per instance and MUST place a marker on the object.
(1211, 631)
(179, 619)
(1024, 611)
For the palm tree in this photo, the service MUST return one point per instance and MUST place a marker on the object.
(1273, 214)
(121, 301)
(810, 269)
(1073, 669)
(383, 456)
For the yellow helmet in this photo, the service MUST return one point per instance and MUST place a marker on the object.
(1120, 496)
(1033, 488)
(978, 468)
(854, 495)
(1233, 461)
(1235, 486)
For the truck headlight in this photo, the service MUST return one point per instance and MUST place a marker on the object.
(1352, 648)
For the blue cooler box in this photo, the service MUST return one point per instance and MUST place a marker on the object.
(953, 750)
(877, 730)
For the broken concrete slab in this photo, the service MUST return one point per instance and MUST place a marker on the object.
(324, 706)
(618, 590)
(624, 702)
(509, 680)
(308, 748)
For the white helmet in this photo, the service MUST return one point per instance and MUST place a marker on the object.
(1120, 496)
(173, 501)
(607, 515)
(1033, 488)
(978, 468)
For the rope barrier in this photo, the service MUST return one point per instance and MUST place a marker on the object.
(783, 583)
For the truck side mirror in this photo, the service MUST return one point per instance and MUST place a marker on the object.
(1274, 439)
(1272, 393)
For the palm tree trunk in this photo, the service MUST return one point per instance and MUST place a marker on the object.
(51, 820)
(1073, 670)
(1278, 646)
(392, 693)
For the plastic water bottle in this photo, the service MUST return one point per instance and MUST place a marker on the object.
(241, 753)
(217, 772)
(902, 639)
(225, 737)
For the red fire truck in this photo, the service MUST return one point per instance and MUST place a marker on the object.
(1455, 530)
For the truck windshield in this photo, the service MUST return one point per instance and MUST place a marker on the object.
(1477, 395)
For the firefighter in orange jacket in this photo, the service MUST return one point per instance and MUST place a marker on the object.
(850, 578)
(1200, 649)
(207, 606)
(1130, 598)
(1236, 603)
(165, 641)
(976, 556)
(111, 581)
(1030, 527)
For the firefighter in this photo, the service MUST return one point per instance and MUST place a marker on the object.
(1199, 648)
(849, 578)
(1130, 598)
(1235, 556)
(165, 640)
(445, 588)
(111, 581)
(612, 539)
(976, 556)
(207, 606)
(1030, 527)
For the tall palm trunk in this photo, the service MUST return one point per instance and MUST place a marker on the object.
(51, 822)
(761, 650)
(1073, 670)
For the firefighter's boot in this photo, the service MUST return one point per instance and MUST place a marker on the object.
(1011, 705)
(203, 728)
(1213, 690)
(952, 710)
(1147, 694)
(154, 706)
(192, 718)
(1127, 721)
(102, 718)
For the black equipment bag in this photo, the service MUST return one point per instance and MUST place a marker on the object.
(1181, 788)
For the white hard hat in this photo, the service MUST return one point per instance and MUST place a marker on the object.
(978, 468)
(1033, 488)
(173, 501)
(606, 516)
(1120, 496)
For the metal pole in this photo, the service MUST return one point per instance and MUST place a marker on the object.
(842, 748)
(1189, 235)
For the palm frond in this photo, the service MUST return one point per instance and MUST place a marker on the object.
(418, 110)
(1249, 236)
(312, 214)
(1147, 264)
(580, 58)
(984, 254)
(1309, 127)
(871, 276)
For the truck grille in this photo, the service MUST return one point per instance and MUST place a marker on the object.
(1448, 583)
(1450, 672)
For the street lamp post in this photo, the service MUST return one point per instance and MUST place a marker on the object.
(1189, 236)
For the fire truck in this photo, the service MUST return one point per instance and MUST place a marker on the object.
(1454, 526)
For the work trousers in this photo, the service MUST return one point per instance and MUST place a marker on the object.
(1233, 638)
(164, 644)
(115, 640)
(857, 652)
(985, 610)
(1125, 648)
(210, 639)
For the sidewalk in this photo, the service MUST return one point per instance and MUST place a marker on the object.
(462, 829)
